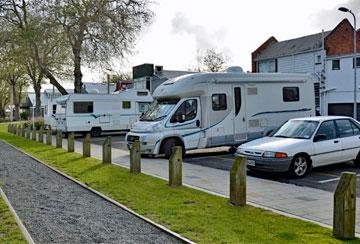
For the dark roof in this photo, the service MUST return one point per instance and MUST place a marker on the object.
(293, 46)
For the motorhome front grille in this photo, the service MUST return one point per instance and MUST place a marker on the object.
(133, 138)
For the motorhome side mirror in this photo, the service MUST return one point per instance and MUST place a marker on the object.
(320, 137)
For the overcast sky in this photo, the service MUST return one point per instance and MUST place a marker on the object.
(236, 28)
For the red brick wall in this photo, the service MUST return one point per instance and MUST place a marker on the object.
(340, 40)
(259, 50)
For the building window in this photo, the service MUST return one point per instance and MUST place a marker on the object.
(291, 94)
(318, 59)
(83, 107)
(357, 63)
(219, 102)
(126, 104)
(336, 64)
(54, 109)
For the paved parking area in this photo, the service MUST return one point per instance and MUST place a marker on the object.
(324, 178)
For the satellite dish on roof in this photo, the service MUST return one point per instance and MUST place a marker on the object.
(233, 69)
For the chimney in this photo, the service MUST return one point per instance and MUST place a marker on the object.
(158, 70)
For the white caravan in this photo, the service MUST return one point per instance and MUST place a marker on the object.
(50, 112)
(95, 113)
(215, 109)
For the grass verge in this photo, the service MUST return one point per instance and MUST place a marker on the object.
(9, 230)
(199, 216)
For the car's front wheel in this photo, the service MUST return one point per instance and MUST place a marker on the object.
(300, 166)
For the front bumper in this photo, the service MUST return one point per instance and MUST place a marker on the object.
(277, 165)
(148, 144)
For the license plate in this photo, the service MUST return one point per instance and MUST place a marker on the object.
(251, 162)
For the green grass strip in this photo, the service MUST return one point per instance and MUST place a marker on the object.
(9, 230)
(199, 216)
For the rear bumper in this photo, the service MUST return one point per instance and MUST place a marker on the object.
(269, 164)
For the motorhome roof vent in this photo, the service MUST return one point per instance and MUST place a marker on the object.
(234, 69)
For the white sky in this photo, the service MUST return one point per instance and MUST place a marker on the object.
(235, 27)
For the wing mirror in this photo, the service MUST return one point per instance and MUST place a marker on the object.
(320, 137)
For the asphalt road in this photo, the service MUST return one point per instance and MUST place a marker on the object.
(325, 178)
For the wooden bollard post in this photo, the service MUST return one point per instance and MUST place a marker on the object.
(9, 128)
(175, 167)
(23, 131)
(59, 139)
(87, 146)
(238, 182)
(18, 130)
(33, 134)
(135, 158)
(344, 207)
(28, 132)
(106, 155)
(49, 137)
(41, 135)
(71, 142)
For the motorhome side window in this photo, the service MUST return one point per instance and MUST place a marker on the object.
(126, 104)
(291, 94)
(83, 107)
(219, 102)
(186, 112)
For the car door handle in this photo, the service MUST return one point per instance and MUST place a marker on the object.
(336, 141)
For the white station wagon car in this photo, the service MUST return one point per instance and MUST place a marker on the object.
(300, 144)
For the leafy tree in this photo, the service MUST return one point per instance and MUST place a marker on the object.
(21, 14)
(97, 30)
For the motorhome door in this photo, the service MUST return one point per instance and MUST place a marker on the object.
(240, 125)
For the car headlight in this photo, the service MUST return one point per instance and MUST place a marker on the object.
(274, 155)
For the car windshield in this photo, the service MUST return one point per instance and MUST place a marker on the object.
(159, 110)
(301, 129)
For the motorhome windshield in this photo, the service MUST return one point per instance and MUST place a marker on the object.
(159, 110)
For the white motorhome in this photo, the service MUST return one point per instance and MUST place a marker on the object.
(96, 113)
(215, 109)
(50, 112)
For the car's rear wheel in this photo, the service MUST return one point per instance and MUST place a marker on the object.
(95, 132)
(300, 166)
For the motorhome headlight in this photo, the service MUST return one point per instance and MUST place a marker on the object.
(274, 155)
(156, 127)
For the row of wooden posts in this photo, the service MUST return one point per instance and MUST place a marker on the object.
(344, 197)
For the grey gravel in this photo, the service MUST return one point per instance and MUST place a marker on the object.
(56, 210)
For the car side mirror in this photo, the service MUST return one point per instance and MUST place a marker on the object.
(320, 137)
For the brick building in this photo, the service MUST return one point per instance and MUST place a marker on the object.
(326, 55)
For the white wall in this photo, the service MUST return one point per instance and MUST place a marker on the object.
(300, 63)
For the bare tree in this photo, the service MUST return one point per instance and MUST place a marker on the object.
(213, 61)
(97, 30)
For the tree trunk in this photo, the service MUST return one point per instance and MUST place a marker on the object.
(37, 90)
(77, 70)
(16, 103)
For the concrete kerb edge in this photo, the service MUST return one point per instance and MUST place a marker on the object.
(161, 227)
(22, 227)
(290, 215)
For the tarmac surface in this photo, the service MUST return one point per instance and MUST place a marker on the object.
(57, 210)
(324, 178)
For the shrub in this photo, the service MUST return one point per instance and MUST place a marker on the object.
(24, 115)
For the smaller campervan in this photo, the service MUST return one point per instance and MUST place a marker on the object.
(215, 109)
(96, 113)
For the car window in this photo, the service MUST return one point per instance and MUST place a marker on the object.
(187, 109)
(355, 128)
(327, 129)
(344, 128)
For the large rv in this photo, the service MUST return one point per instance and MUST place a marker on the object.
(215, 109)
(96, 113)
